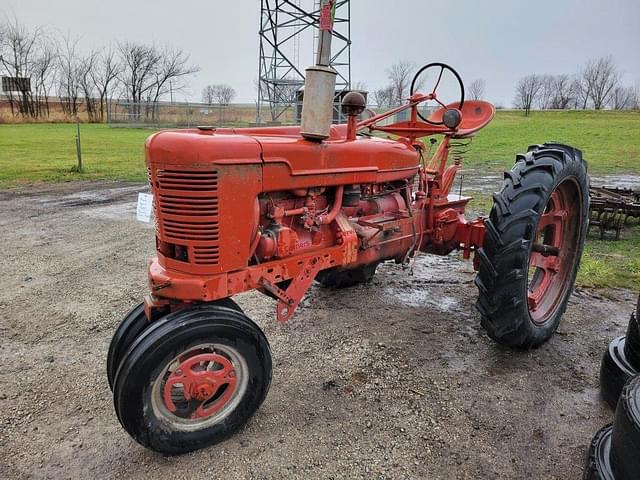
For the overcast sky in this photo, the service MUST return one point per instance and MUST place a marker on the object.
(497, 40)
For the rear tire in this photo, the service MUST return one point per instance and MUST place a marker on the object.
(192, 379)
(339, 278)
(532, 247)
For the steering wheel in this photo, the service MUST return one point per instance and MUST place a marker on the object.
(443, 67)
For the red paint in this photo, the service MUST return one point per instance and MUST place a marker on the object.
(248, 208)
(201, 385)
(326, 16)
(553, 251)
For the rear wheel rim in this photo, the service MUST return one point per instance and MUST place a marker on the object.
(200, 387)
(554, 251)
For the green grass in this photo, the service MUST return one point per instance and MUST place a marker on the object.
(47, 152)
(607, 263)
(610, 141)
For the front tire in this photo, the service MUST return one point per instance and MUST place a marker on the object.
(192, 379)
(532, 247)
(128, 330)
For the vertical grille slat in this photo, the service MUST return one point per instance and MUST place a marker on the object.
(188, 208)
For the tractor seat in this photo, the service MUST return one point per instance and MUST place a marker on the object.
(475, 115)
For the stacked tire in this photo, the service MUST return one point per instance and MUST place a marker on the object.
(614, 453)
(615, 450)
(621, 361)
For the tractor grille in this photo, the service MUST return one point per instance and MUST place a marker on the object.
(188, 209)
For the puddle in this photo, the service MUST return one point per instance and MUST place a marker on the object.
(474, 182)
(419, 298)
(429, 270)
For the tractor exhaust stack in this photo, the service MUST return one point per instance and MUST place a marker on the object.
(320, 82)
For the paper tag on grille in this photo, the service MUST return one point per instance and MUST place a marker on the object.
(144, 208)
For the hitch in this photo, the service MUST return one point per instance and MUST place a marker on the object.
(289, 299)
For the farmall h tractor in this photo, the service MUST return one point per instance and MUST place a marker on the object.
(274, 209)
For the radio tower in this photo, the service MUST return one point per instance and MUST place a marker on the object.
(288, 30)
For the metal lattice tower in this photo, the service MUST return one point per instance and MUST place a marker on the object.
(285, 32)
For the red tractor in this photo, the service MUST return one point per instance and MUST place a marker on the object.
(274, 209)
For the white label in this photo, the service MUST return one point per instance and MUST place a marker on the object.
(144, 209)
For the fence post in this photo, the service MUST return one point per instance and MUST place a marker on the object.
(78, 145)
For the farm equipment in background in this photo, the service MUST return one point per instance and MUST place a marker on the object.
(273, 209)
(612, 207)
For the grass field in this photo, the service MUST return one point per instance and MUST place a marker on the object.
(610, 141)
(47, 152)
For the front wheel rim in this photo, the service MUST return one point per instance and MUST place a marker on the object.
(554, 251)
(200, 387)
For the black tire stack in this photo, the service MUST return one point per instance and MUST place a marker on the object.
(614, 453)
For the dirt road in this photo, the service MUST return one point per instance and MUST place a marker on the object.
(395, 379)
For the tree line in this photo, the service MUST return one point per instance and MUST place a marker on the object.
(597, 85)
(57, 67)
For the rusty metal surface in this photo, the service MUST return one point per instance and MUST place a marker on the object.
(243, 209)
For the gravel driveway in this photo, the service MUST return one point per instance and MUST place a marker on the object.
(394, 379)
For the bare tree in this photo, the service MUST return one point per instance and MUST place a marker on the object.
(476, 89)
(139, 63)
(635, 99)
(44, 73)
(562, 92)
(85, 72)
(527, 91)
(17, 56)
(400, 80)
(546, 92)
(172, 67)
(383, 97)
(105, 76)
(148, 73)
(622, 98)
(208, 95)
(579, 98)
(70, 70)
(221, 94)
(600, 78)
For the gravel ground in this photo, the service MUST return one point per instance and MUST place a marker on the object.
(394, 379)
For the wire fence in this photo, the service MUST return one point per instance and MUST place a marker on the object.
(164, 115)
(181, 115)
